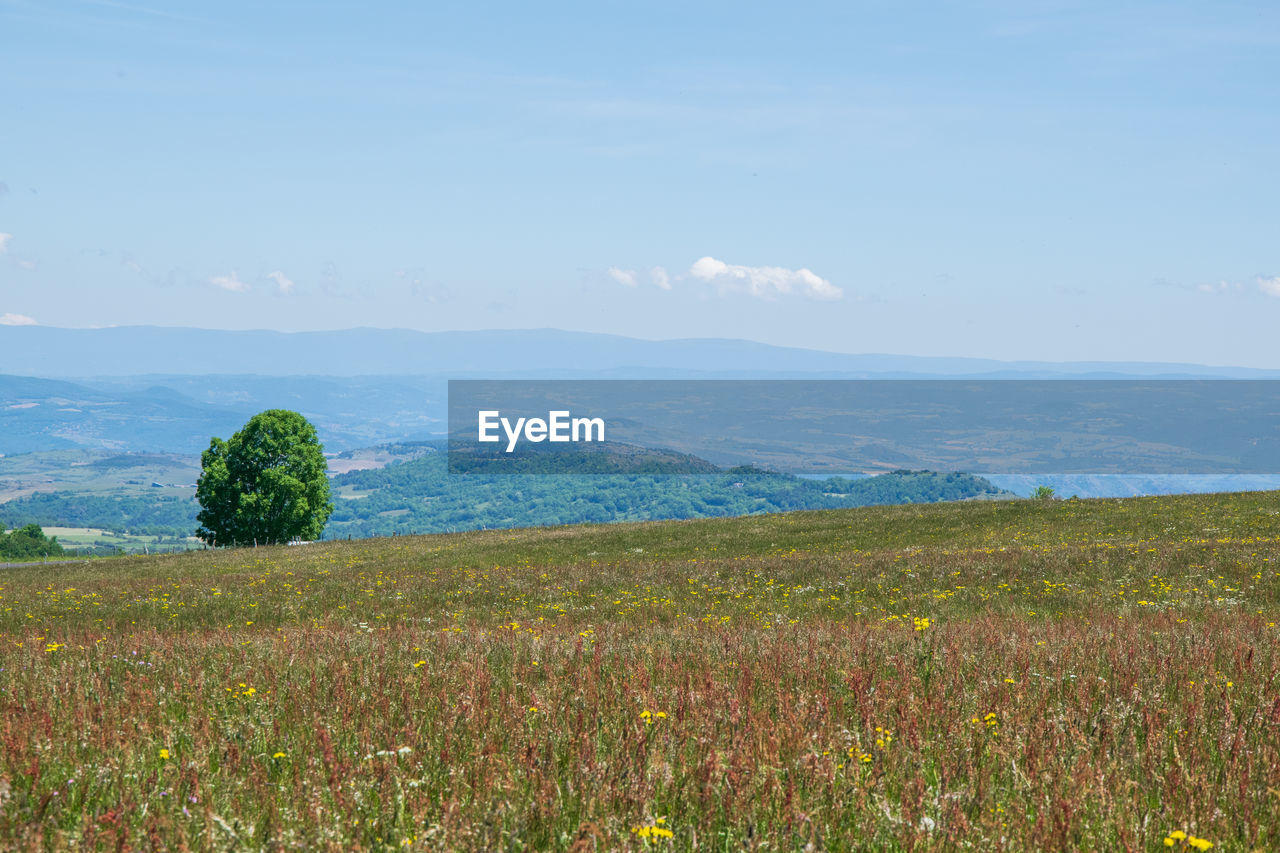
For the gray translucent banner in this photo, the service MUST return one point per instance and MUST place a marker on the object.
(849, 426)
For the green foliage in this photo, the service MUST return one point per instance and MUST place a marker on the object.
(268, 484)
(27, 543)
(552, 459)
(1042, 493)
(159, 515)
(421, 496)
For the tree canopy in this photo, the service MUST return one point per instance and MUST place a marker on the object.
(267, 484)
(28, 542)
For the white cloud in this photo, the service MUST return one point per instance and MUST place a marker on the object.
(764, 282)
(26, 264)
(282, 281)
(4, 242)
(1269, 285)
(658, 275)
(627, 277)
(17, 320)
(1220, 287)
(229, 282)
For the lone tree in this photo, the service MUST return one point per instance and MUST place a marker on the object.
(266, 485)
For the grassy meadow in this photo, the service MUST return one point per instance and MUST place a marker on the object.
(1021, 675)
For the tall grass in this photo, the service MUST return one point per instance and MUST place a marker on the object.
(1026, 675)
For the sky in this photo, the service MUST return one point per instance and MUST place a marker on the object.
(1015, 180)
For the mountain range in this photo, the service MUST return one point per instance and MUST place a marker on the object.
(159, 389)
(51, 352)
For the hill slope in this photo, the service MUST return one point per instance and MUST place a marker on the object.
(1004, 675)
(420, 496)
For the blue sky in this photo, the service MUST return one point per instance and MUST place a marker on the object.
(1011, 180)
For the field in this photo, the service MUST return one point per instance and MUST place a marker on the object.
(84, 538)
(1019, 675)
(98, 472)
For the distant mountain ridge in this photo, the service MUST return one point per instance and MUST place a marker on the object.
(51, 352)
(181, 413)
(144, 388)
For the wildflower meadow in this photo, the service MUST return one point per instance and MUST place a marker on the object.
(1006, 675)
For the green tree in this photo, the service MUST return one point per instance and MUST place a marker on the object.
(28, 542)
(268, 484)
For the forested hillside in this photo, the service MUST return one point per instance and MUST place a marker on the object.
(420, 496)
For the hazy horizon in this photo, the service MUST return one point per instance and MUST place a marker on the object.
(1091, 363)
